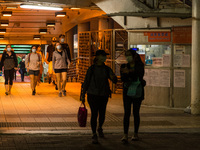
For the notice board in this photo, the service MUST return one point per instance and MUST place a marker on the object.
(182, 35)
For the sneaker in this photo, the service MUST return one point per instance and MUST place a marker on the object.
(100, 132)
(60, 94)
(135, 137)
(33, 93)
(56, 87)
(95, 139)
(6, 93)
(64, 92)
(124, 139)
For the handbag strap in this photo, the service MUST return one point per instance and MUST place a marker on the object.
(82, 104)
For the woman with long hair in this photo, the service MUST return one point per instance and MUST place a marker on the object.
(131, 72)
(10, 63)
(33, 61)
(59, 62)
(98, 91)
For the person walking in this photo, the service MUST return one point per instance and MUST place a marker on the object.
(50, 50)
(41, 65)
(98, 91)
(132, 72)
(10, 63)
(59, 63)
(33, 62)
(22, 69)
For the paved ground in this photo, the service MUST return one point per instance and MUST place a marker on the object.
(46, 121)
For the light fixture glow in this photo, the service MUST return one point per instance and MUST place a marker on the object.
(75, 8)
(11, 7)
(2, 30)
(4, 24)
(60, 14)
(36, 37)
(50, 24)
(40, 7)
(2, 37)
(7, 13)
(43, 31)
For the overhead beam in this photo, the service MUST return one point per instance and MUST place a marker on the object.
(151, 14)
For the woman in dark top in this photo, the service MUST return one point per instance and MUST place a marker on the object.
(9, 62)
(132, 71)
(97, 87)
(22, 69)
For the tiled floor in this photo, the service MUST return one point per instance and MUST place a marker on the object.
(21, 112)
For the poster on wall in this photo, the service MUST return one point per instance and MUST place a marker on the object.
(179, 49)
(179, 78)
(166, 60)
(156, 77)
(165, 78)
(157, 61)
(186, 61)
(181, 60)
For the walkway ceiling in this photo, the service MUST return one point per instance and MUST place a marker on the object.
(25, 23)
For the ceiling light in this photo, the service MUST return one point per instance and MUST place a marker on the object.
(40, 7)
(36, 37)
(43, 31)
(7, 13)
(4, 24)
(75, 8)
(50, 24)
(1, 37)
(11, 7)
(2, 30)
(60, 14)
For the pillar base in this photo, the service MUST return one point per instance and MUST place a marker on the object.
(195, 109)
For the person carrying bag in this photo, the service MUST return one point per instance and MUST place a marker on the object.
(98, 91)
(133, 91)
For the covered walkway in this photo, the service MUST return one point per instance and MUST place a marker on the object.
(45, 112)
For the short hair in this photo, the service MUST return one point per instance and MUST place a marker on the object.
(61, 35)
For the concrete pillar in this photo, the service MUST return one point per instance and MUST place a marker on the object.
(195, 81)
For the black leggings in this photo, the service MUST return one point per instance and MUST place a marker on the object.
(127, 112)
(98, 106)
(9, 75)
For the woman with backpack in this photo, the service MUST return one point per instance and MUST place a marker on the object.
(33, 62)
(10, 63)
(60, 65)
(98, 91)
(131, 72)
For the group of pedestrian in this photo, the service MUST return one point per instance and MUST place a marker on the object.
(58, 58)
(96, 85)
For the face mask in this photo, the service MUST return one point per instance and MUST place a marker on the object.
(33, 50)
(23, 59)
(62, 40)
(102, 58)
(8, 49)
(129, 58)
(58, 47)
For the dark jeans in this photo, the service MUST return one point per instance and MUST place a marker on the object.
(9, 75)
(22, 74)
(128, 101)
(98, 107)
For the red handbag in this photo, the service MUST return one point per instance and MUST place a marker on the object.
(82, 115)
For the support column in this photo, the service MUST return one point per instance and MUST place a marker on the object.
(195, 81)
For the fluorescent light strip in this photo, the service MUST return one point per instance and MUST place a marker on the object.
(4, 25)
(40, 7)
(60, 15)
(7, 15)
